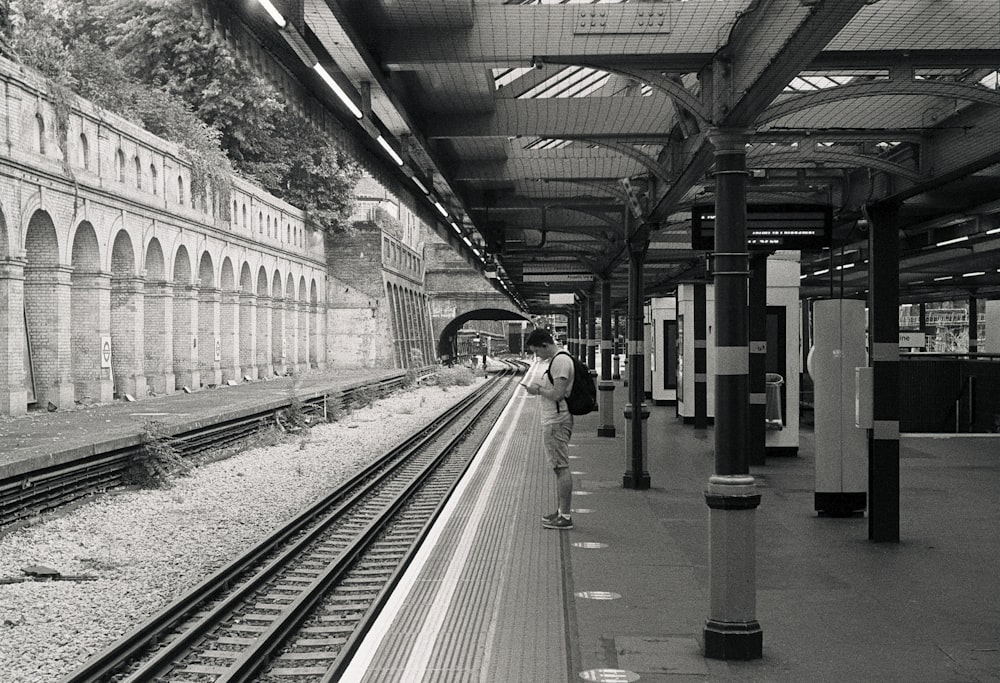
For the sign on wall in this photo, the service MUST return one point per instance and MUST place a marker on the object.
(105, 352)
(218, 349)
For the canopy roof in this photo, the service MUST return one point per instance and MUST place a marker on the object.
(521, 119)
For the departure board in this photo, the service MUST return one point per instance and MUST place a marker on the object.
(770, 226)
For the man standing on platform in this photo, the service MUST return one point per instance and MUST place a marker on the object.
(556, 420)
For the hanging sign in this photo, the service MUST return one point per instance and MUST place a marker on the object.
(770, 226)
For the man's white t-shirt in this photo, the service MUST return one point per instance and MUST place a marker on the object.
(562, 366)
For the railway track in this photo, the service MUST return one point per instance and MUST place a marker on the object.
(33, 494)
(294, 607)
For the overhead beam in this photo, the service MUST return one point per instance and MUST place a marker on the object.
(559, 117)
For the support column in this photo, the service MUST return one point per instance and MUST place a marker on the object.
(91, 322)
(277, 319)
(973, 324)
(758, 359)
(591, 334)
(324, 314)
(265, 364)
(606, 387)
(209, 353)
(883, 350)
(158, 330)
(13, 358)
(303, 341)
(616, 357)
(315, 336)
(229, 330)
(701, 355)
(732, 630)
(636, 474)
(247, 346)
(48, 308)
(571, 319)
(128, 339)
(291, 339)
(185, 341)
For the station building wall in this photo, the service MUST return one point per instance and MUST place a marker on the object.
(107, 258)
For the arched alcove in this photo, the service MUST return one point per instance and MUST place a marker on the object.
(90, 319)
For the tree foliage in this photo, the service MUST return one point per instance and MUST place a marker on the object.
(158, 63)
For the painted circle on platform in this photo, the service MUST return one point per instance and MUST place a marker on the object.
(581, 511)
(597, 595)
(581, 493)
(576, 472)
(590, 544)
(609, 675)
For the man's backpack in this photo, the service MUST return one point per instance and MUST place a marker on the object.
(582, 398)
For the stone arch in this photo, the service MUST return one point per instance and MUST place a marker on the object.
(185, 322)
(84, 152)
(447, 342)
(304, 324)
(247, 323)
(39, 133)
(279, 345)
(209, 340)
(291, 323)
(397, 326)
(229, 323)
(127, 319)
(316, 336)
(180, 190)
(47, 314)
(120, 165)
(157, 325)
(90, 319)
(4, 237)
(264, 342)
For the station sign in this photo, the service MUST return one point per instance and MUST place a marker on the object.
(105, 352)
(770, 226)
(558, 277)
(562, 298)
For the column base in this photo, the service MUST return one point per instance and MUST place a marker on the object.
(640, 482)
(840, 504)
(606, 431)
(15, 403)
(733, 640)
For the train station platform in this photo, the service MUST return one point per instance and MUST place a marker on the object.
(44, 439)
(493, 596)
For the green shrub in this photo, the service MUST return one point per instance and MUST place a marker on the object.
(157, 461)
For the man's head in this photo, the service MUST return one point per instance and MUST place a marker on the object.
(540, 342)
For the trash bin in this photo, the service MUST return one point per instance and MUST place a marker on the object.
(772, 403)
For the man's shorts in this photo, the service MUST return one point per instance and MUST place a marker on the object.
(555, 440)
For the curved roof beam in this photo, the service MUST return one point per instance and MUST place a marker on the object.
(795, 159)
(631, 152)
(875, 88)
(670, 86)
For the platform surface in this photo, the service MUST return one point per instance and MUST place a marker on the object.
(41, 439)
(499, 598)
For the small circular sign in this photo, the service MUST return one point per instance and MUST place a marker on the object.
(597, 595)
(106, 351)
(609, 675)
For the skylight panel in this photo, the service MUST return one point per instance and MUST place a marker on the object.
(504, 77)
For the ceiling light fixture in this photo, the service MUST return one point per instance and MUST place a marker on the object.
(993, 231)
(978, 272)
(441, 209)
(338, 91)
(389, 150)
(956, 240)
(273, 11)
(942, 279)
(423, 188)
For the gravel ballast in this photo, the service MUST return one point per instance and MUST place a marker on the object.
(144, 547)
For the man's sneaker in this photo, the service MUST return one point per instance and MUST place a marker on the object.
(559, 522)
(551, 518)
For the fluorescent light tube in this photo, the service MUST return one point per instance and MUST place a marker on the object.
(993, 231)
(338, 91)
(942, 279)
(980, 272)
(952, 241)
(419, 184)
(389, 150)
(441, 209)
(273, 11)
(824, 271)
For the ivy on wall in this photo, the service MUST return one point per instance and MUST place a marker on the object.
(158, 64)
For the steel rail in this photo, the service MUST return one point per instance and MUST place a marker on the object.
(106, 663)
